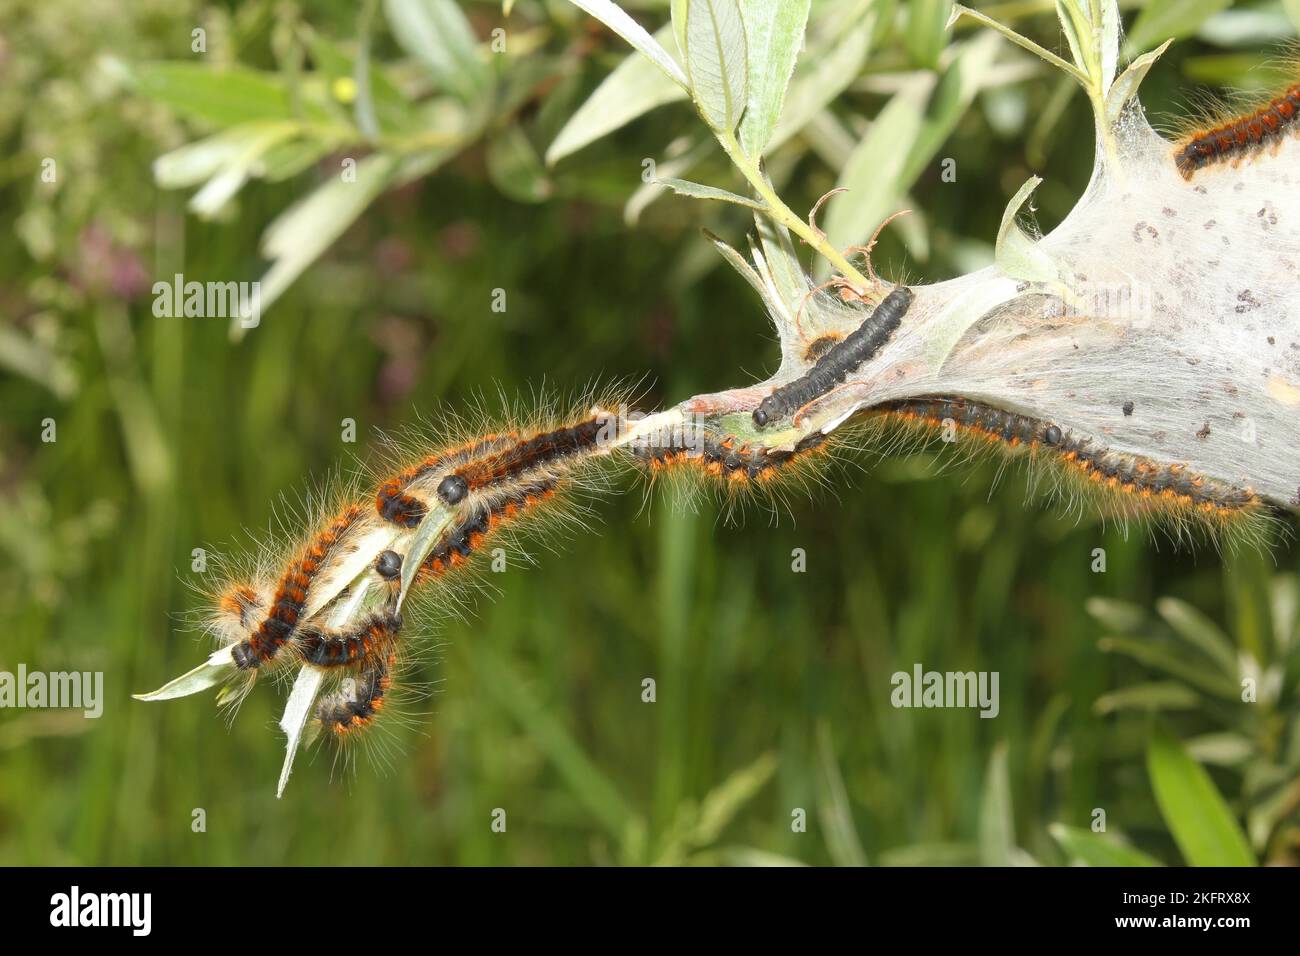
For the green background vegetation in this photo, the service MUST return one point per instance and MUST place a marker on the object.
(773, 687)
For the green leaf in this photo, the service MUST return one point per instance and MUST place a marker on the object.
(1170, 19)
(927, 24)
(1016, 254)
(289, 159)
(1126, 87)
(392, 110)
(873, 172)
(1163, 658)
(196, 162)
(1096, 849)
(515, 167)
(614, 17)
(1123, 616)
(1224, 749)
(681, 156)
(1199, 631)
(717, 61)
(997, 834)
(301, 233)
(818, 80)
(230, 177)
(227, 97)
(1195, 812)
(634, 88)
(437, 34)
(720, 806)
(1157, 695)
(1110, 30)
(699, 191)
(774, 30)
(586, 781)
(1292, 8)
(833, 807)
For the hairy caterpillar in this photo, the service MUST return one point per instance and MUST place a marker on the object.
(354, 708)
(1240, 136)
(347, 646)
(462, 541)
(1135, 484)
(393, 501)
(290, 598)
(839, 360)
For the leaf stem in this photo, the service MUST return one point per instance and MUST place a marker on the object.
(778, 210)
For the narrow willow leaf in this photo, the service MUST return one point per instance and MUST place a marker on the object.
(585, 780)
(614, 17)
(515, 168)
(1158, 695)
(227, 97)
(873, 171)
(1110, 28)
(1163, 658)
(1224, 749)
(212, 671)
(306, 229)
(196, 162)
(997, 836)
(683, 156)
(717, 61)
(634, 88)
(1195, 812)
(1068, 12)
(1015, 253)
(237, 169)
(1199, 631)
(818, 80)
(437, 34)
(774, 31)
(1170, 19)
(700, 191)
(296, 712)
(1123, 616)
(927, 24)
(391, 108)
(833, 807)
(1096, 849)
(1126, 86)
(721, 804)
(286, 160)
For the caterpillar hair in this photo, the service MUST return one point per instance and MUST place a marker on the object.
(278, 625)
(349, 710)
(1241, 136)
(1136, 485)
(396, 505)
(347, 646)
(839, 360)
(461, 542)
(537, 455)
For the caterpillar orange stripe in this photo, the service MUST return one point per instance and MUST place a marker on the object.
(523, 458)
(344, 647)
(1242, 135)
(396, 505)
(342, 713)
(728, 457)
(460, 542)
(1148, 479)
(291, 596)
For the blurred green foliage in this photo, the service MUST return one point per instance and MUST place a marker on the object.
(773, 688)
